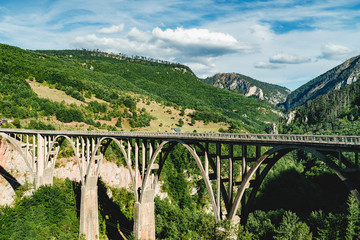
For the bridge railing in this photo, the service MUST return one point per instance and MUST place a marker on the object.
(328, 139)
(351, 140)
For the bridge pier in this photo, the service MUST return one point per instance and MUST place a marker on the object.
(144, 220)
(44, 174)
(47, 178)
(89, 215)
(144, 211)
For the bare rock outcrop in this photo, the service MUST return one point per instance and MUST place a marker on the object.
(246, 86)
(12, 163)
(14, 172)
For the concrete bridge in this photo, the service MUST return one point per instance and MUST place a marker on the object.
(215, 155)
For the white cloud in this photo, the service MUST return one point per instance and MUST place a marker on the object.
(136, 43)
(266, 65)
(202, 70)
(200, 42)
(332, 51)
(112, 29)
(181, 45)
(139, 36)
(260, 31)
(284, 58)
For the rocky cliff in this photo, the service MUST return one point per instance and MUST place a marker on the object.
(247, 86)
(14, 173)
(336, 78)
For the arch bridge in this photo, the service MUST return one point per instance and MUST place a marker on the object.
(235, 162)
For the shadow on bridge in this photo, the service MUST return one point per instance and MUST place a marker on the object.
(10, 179)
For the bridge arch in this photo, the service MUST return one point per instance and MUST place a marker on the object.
(197, 159)
(280, 151)
(123, 151)
(15, 143)
(9, 178)
(59, 139)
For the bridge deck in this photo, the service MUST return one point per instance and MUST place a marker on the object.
(352, 142)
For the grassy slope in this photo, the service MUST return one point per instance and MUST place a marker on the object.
(166, 117)
(174, 84)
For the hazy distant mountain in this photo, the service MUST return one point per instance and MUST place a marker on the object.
(270, 93)
(336, 78)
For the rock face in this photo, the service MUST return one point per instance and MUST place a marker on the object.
(110, 173)
(247, 87)
(14, 172)
(342, 75)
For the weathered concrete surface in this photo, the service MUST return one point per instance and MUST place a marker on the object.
(89, 214)
(144, 221)
(47, 178)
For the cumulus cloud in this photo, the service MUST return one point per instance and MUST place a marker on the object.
(112, 29)
(136, 35)
(266, 65)
(200, 42)
(203, 69)
(332, 52)
(135, 43)
(185, 45)
(284, 58)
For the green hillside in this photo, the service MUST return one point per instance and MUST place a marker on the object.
(334, 113)
(336, 78)
(83, 73)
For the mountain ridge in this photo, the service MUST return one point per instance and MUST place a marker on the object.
(336, 78)
(247, 86)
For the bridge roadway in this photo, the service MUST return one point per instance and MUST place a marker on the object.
(343, 142)
(214, 153)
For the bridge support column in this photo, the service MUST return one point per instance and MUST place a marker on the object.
(89, 219)
(46, 178)
(44, 175)
(40, 161)
(144, 221)
(234, 227)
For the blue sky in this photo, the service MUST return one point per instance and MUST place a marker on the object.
(281, 41)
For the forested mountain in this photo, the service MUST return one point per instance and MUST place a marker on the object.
(337, 112)
(336, 78)
(82, 73)
(247, 86)
(328, 104)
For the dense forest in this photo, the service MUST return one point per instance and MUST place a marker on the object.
(300, 198)
(333, 113)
